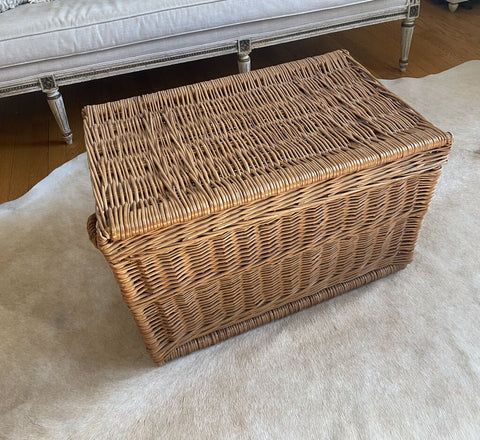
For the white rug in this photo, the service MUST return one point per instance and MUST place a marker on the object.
(396, 359)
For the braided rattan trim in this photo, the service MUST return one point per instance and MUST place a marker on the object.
(185, 153)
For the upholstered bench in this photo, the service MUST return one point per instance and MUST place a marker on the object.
(226, 204)
(47, 45)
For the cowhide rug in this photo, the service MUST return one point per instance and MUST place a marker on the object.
(395, 359)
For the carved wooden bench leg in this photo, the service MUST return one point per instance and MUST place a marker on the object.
(244, 49)
(407, 31)
(55, 101)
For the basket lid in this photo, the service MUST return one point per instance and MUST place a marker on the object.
(179, 154)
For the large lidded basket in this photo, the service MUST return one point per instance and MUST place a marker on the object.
(226, 204)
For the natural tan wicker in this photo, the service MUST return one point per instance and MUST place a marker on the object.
(223, 205)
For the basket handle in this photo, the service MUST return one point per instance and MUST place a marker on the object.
(92, 229)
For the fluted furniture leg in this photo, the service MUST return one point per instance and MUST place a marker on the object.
(244, 64)
(244, 49)
(55, 101)
(407, 31)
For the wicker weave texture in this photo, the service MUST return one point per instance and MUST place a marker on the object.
(226, 204)
(184, 153)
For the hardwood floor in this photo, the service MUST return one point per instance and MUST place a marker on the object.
(31, 145)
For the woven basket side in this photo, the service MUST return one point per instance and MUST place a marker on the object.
(187, 288)
(161, 356)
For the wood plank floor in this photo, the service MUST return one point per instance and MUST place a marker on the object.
(31, 145)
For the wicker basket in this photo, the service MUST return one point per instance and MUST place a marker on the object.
(226, 204)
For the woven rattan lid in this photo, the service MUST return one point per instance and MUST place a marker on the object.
(180, 154)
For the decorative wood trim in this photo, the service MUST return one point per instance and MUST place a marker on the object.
(158, 60)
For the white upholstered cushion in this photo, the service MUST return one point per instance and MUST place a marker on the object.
(69, 34)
